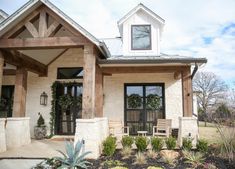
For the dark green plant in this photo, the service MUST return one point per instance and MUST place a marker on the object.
(109, 146)
(65, 101)
(187, 143)
(134, 101)
(77, 101)
(170, 143)
(141, 143)
(41, 121)
(202, 145)
(153, 101)
(127, 141)
(157, 143)
(73, 157)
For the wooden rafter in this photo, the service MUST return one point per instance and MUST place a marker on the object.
(31, 28)
(177, 75)
(42, 24)
(43, 43)
(20, 60)
(53, 29)
(9, 72)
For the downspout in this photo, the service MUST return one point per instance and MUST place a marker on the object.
(194, 70)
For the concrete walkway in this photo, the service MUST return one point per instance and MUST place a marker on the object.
(37, 149)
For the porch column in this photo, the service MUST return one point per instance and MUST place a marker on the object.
(187, 92)
(1, 71)
(20, 93)
(88, 99)
(98, 92)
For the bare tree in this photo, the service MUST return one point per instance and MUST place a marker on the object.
(210, 90)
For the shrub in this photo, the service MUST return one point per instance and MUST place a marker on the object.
(126, 152)
(118, 167)
(152, 167)
(41, 121)
(109, 146)
(195, 159)
(113, 163)
(202, 146)
(140, 158)
(170, 143)
(151, 154)
(127, 141)
(141, 143)
(187, 143)
(156, 143)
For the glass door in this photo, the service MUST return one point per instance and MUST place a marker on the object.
(144, 104)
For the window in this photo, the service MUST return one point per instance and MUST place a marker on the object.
(141, 37)
(70, 73)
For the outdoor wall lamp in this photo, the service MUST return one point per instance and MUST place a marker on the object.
(43, 99)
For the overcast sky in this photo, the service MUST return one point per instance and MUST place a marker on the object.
(199, 28)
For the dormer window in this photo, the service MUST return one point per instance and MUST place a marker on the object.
(141, 37)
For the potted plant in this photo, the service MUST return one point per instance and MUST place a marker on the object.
(40, 129)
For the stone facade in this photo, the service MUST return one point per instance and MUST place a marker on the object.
(2, 136)
(114, 94)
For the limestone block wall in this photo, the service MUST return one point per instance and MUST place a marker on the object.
(114, 94)
(93, 132)
(188, 126)
(17, 132)
(2, 135)
(36, 85)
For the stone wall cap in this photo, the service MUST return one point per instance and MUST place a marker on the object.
(18, 118)
(97, 119)
(187, 118)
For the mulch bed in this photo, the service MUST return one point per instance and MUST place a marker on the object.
(180, 163)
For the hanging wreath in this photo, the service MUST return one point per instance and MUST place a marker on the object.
(134, 101)
(65, 101)
(77, 101)
(153, 101)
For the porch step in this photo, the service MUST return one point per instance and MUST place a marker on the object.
(62, 138)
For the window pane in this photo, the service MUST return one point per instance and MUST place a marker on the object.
(141, 37)
(134, 97)
(70, 73)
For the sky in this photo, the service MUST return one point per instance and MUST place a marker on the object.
(197, 28)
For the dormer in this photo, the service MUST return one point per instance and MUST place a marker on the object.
(141, 31)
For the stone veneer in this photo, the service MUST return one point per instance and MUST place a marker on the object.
(2, 135)
(188, 126)
(93, 132)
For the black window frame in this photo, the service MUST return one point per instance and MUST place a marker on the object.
(138, 49)
(68, 69)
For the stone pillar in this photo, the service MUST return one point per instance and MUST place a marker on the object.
(1, 71)
(188, 126)
(19, 105)
(187, 92)
(2, 135)
(88, 99)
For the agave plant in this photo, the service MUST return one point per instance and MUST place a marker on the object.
(73, 159)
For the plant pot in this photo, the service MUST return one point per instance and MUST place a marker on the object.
(40, 132)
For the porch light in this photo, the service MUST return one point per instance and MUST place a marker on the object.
(43, 99)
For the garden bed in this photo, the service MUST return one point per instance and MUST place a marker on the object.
(180, 163)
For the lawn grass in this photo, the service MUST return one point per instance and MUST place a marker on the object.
(210, 134)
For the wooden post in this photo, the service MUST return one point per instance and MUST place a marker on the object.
(98, 92)
(20, 93)
(88, 99)
(1, 71)
(187, 92)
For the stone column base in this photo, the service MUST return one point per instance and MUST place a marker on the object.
(2, 135)
(93, 132)
(17, 132)
(188, 126)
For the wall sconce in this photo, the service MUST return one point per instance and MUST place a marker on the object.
(43, 99)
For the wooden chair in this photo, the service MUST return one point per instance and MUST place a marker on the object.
(163, 128)
(116, 128)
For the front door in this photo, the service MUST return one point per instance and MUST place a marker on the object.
(68, 107)
(144, 104)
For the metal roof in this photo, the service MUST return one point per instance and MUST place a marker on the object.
(31, 5)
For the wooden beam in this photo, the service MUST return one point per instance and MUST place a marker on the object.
(88, 98)
(20, 60)
(54, 27)
(187, 92)
(42, 43)
(9, 72)
(19, 105)
(177, 75)
(31, 28)
(149, 69)
(98, 92)
(42, 23)
(1, 71)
